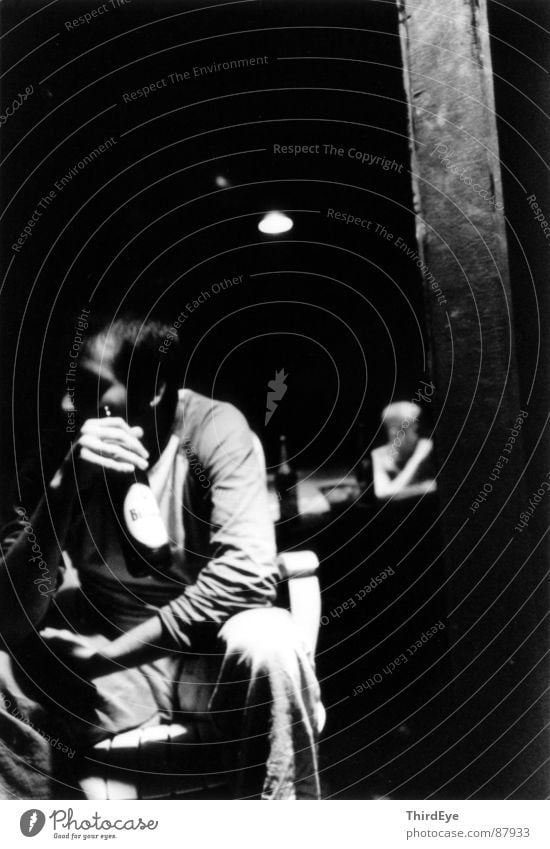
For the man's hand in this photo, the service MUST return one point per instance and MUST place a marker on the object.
(108, 443)
(112, 444)
(78, 653)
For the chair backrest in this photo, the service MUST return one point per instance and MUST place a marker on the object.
(299, 569)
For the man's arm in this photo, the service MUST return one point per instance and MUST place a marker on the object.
(142, 644)
(240, 572)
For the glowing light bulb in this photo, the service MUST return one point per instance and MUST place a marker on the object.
(274, 223)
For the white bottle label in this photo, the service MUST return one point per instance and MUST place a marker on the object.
(142, 517)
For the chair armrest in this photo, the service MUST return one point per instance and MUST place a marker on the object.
(305, 608)
(298, 569)
(297, 564)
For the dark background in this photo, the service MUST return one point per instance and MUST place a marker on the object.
(146, 226)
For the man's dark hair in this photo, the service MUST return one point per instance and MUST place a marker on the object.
(139, 361)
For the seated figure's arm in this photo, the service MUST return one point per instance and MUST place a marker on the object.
(414, 490)
(401, 486)
(381, 479)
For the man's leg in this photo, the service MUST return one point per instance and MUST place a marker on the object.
(266, 702)
(30, 766)
(48, 715)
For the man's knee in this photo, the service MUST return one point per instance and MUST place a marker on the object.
(264, 638)
(265, 645)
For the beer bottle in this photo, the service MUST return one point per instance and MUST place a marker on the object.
(142, 533)
(286, 484)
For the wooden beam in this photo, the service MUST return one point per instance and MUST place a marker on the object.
(496, 744)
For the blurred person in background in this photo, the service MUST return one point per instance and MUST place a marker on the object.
(403, 467)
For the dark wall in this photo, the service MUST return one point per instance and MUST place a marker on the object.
(521, 62)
